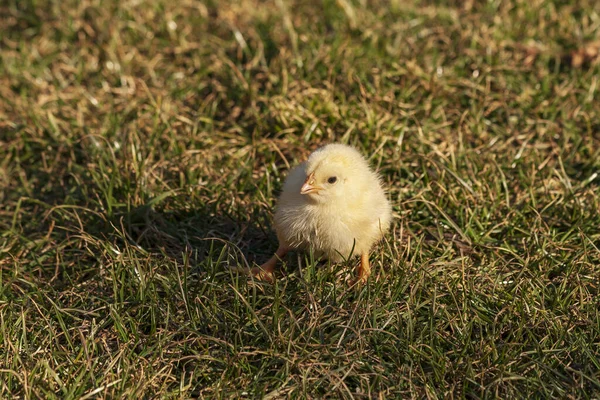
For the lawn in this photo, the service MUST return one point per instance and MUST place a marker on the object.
(143, 144)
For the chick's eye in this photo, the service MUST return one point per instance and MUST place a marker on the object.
(332, 179)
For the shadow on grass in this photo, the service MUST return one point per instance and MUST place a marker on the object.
(199, 232)
(70, 241)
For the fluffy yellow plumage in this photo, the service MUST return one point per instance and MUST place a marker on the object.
(332, 204)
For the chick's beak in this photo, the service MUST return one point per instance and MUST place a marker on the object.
(309, 185)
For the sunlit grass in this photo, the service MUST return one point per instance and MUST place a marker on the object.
(142, 147)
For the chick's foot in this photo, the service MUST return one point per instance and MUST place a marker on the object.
(262, 274)
(265, 271)
(363, 271)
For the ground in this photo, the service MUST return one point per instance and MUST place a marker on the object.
(142, 147)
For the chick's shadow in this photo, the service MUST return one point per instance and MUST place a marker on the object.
(205, 239)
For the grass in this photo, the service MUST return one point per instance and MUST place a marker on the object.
(142, 147)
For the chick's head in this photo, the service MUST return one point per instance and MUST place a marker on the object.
(333, 172)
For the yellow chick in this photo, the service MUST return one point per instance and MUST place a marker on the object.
(332, 204)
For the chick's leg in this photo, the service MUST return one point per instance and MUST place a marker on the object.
(265, 271)
(364, 268)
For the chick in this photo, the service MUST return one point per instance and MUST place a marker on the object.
(332, 204)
